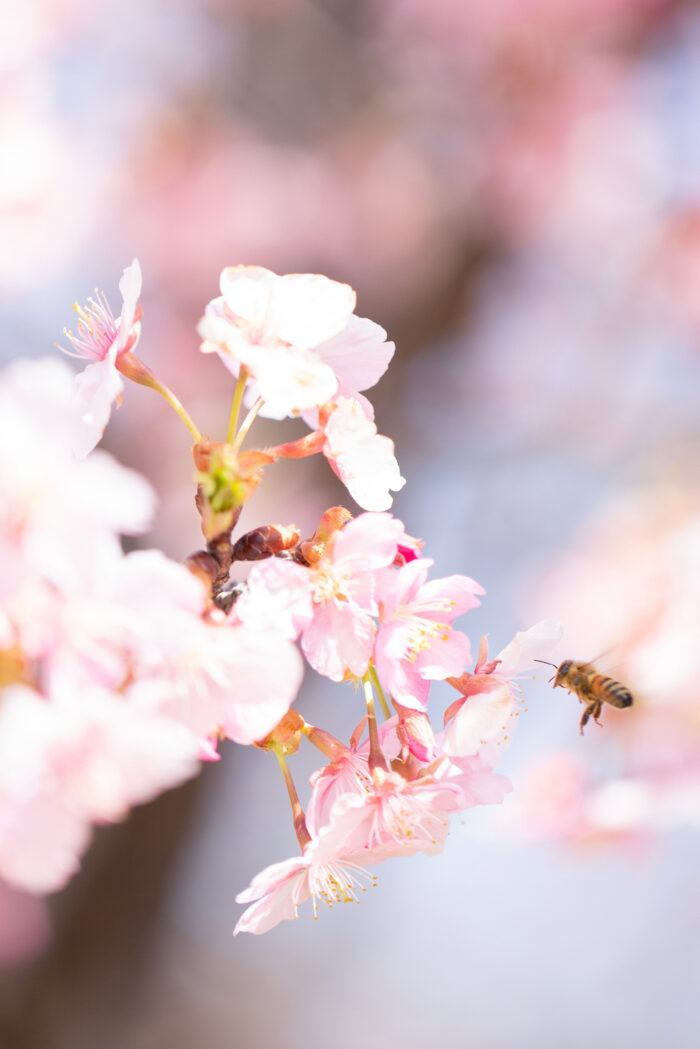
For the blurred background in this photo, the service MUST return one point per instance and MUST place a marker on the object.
(513, 188)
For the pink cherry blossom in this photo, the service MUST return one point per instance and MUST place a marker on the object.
(278, 594)
(297, 337)
(325, 872)
(103, 339)
(347, 773)
(396, 817)
(59, 518)
(271, 325)
(338, 636)
(69, 762)
(415, 641)
(363, 459)
(488, 700)
(207, 671)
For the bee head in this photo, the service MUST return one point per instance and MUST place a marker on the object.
(562, 670)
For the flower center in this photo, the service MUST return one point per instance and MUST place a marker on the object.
(423, 635)
(406, 820)
(338, 882)
(97, 329)
(331, 582)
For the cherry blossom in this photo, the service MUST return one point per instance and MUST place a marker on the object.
(295, 335)
(398, 817)
(325, 872)
(347, 773)
(59, 518)
(338, 636)
(205, 670)
(103, 339)
(121, 673)
(68, 763)
(270, 325)
(415, 642)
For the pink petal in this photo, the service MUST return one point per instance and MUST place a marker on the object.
(444, 658)
(247, 292)
(291, 380)
(339, 639)
(369, 542)
(359, 354)
(269, 671)
(457, 591)
(307, 309)
(527, 646)
(99, 385)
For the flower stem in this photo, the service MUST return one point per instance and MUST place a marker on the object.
(376, 758)
(133, 368)
(178, 406)
(246, 424)
(380, 691)
(302, 833)
(236, 405)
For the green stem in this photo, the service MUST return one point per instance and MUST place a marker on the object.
(246, 425)
(236, 405)
(380, 691)
(134, 369)
(179, 407)
(302, 833)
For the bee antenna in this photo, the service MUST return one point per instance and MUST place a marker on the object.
(546, 662)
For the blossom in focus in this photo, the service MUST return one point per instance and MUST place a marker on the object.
(397, 817)
(325, 872)
(295, 335)
(363, 459)
(487, 697)
(415, 642)
(347, 773)
(103, 339)
(338, 630)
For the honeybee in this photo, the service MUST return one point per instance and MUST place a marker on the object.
(592, 688)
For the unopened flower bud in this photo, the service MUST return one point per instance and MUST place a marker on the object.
(266, 541)
(415, 731)
(332, 521)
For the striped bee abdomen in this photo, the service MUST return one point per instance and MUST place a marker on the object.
(610, 691)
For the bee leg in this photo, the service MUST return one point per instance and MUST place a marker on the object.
(595, 711)
(590, 709)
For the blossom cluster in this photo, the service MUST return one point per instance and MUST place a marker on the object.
(121, 672)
